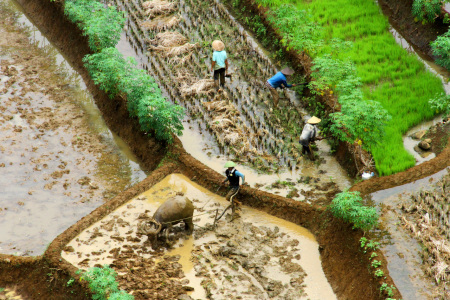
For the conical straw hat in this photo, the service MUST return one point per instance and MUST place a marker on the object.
(287, 71)
(314, 120)
(229, 164)
(218, 45)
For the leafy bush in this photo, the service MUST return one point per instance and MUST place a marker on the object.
(427, 10)
(103, 284)
(441, 104)
(114, 74)
(347, 206)
(441, 49)
(102, 25)
(360, 121)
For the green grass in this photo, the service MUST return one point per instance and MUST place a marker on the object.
(390, 75)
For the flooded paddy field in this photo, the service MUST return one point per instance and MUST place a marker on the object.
(256, 256)
(58, 160)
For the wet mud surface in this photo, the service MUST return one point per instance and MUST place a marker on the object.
(253, 256)
(56, 164)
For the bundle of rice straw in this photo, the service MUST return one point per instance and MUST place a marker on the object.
(202, 86)
(220, 124)
(161, 23)
(186, 48)
(169, 39)
(180, 60)
(174, 51)
(233, 138)
(158, 7)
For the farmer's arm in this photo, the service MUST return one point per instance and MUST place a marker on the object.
(241, 175)
(212, 65)
(287, 85)
(226, 65)
(225, 181)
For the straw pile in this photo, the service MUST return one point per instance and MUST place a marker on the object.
(201, 87)
(161, 23)
(171, 43)
(226, 127)
(169, 39)
(158, 7)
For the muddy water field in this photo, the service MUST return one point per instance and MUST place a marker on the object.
(53, 156)
(74, 162)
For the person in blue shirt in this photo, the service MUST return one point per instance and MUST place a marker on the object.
(279, 81)
(233, 176)
(219, 64)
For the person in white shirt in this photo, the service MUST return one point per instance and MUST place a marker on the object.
(309, 135)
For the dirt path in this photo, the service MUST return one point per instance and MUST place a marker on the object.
(56, 165)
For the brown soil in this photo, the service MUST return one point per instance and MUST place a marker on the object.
(440, 136)
(345, 266)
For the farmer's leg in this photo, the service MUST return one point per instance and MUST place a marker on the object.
(232, 193)
(275, 96)
(216, 78)
(222, 77)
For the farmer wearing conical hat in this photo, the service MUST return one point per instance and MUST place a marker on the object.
(219, 64)
(233, 178)
(309, 135)
(279, 81)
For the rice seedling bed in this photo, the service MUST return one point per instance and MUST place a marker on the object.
(239, 120)
(391, 75)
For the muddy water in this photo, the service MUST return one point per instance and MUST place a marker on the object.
(245, 92)
(58, 159)
(255, 256)
(9, 294)
(400, 250)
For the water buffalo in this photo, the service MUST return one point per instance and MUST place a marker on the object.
(173, 211)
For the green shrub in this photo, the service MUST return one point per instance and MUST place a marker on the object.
(441, 49)
(103, 284)
(102, 25)
(360, 121)
(114, 74)
(441, 104)
(347, 206)
(427, 10)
